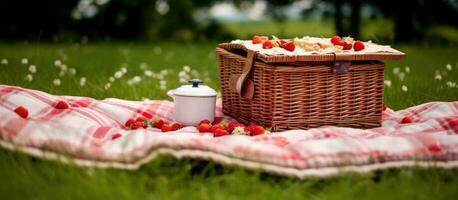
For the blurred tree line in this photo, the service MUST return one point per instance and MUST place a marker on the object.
(175, 19)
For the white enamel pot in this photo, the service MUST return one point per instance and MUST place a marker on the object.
(193, 103)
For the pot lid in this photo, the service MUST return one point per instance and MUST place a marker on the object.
(195, 89)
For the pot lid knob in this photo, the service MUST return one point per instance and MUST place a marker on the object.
(195, 82)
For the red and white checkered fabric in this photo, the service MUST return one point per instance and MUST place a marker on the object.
(84, 133)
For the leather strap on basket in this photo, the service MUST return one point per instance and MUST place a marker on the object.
(341, 64)
(246, 70)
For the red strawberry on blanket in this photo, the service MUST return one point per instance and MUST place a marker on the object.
(205, 121)
(220, 132)
(22, 112)
(116, 136)
(138, 125)
(61, 105)
(157, 123)
(267, 45)
(205, 128)
(232, 126)
(257, 130)
(336, 40)
(218, 126)
(176, 126)
(407, 120)
(259, 39)
(289, 46)
(166, 128)
(358, 45)
(129, 123)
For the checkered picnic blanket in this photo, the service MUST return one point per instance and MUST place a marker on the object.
(83, 134)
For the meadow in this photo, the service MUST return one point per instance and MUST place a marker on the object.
(429, 73)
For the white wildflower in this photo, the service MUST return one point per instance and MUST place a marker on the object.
(118, 74)
(438, 77)
(57, 63)
(448, 67)
(164, 72)
(32, 69)
(401, 75)
(4, 61)
(72, 71)
(29, 77)
(160, 77)
(24, 61)
(143, 66)
(182, 74)
(56, 82)
(107, 86)
(163, 82)
(387, 83)
(148, 73)
(63, 67)
(123, 70)
(62, 73)
(451, 84)
(396, 70)
(404, 88)
(182, 80)
(83, 81)
(194, 73)
(145, 99)
(407, 69)
(186, 68)
(111, 79)
(162, 87)
(137, 79)
(130, 82)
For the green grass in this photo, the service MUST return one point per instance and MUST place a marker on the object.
(23, 177)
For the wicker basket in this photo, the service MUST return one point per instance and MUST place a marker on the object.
(301, 92)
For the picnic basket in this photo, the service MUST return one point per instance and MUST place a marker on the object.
(305, 91)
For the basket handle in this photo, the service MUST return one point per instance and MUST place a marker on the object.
(251, 55)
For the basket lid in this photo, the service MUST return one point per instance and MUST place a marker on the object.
(278, 55)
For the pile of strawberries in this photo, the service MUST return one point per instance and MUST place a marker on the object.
(269, 44)
(142, 122)
(219, 129)
(347, 43)
(234, 128)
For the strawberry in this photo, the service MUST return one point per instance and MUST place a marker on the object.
(358, 45)
(250, 128)
(22, 111)
(116, 136)
(259, 39)
(205, 121)
(61, 105)
(232, 126)
(205, 128)
(335, 40)
(157, 123)
(217, 126)
(267, 45)
(347, 46)
(290, 46)
(407, 120)
(141, 119)
(166, 128)
(220, 132)
(257, 130)
(138, 125)
(129, 123)
(176, 126)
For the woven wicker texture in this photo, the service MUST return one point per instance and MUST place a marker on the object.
(301, 95)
